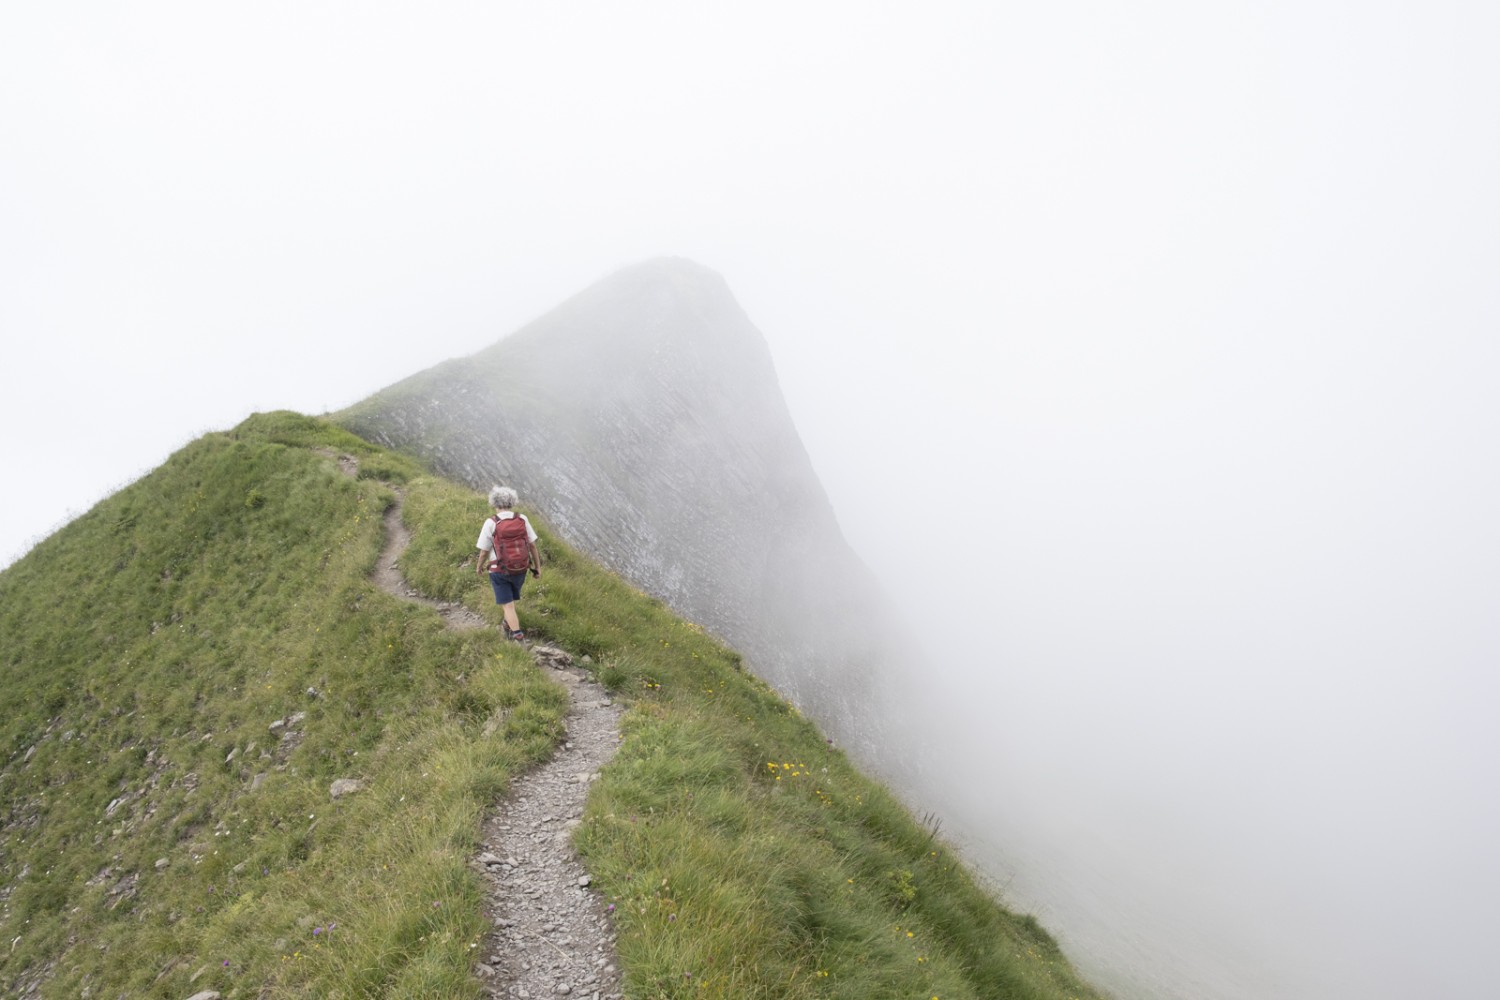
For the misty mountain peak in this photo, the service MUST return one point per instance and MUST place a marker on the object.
(668, 324)
(643, 418)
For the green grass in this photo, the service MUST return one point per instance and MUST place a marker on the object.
(146, 650)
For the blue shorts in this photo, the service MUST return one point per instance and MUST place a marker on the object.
(507, 586)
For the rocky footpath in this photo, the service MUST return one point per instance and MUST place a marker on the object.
(388, 574)
(551, 933)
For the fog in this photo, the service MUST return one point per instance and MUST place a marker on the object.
(1175, 325)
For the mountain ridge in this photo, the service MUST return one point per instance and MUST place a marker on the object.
(190, 668)
(643, 416)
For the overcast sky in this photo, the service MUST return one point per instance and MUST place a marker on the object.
(1177, 321)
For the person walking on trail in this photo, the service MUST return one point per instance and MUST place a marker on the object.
(507, 549)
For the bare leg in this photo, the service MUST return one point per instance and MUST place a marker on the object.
(511, 621)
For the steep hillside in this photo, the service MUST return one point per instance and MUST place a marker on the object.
(186, 670)
(644, 419)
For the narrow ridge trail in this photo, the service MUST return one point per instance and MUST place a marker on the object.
(551, 934)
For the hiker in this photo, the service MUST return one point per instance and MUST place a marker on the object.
(507, 548)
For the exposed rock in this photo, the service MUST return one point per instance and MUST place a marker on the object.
(205, 995)
(345, 786)
(123, 890)
(551, 656)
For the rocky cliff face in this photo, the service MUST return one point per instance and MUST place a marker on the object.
(644, 420)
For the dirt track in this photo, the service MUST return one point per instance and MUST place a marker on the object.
(551, 934)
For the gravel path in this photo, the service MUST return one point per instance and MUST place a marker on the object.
(388, 574)
(551, 933)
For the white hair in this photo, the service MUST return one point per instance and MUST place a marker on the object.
(502, 497)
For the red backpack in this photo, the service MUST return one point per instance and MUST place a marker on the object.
(512, 546)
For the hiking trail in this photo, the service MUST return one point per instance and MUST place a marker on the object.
(550, 933)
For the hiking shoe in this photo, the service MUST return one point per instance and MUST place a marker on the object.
(519, 635)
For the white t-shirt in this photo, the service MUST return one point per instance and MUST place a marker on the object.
(486, 541)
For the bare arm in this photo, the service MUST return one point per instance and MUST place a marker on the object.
(481, 559)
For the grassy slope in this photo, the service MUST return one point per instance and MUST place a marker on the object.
(166, 629)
